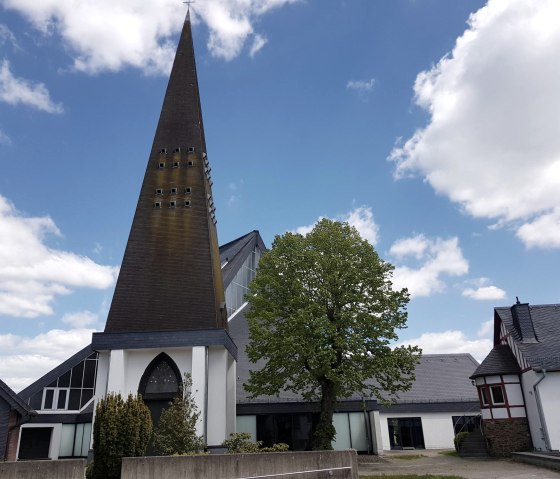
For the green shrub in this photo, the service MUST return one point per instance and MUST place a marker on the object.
(459, 438)
(121, 429)
(176, 431)
(240, 443)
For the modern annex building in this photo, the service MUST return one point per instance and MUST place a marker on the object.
(179, 307)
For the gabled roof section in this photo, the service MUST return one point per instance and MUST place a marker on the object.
(499, 361)
(14, 401)
(440, 378)
(234, 253)
(544, 352)
(53, 374)
(170, 277)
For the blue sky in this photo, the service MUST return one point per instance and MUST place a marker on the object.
(432, 126)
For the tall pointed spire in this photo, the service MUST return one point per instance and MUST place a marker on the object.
(170, 277)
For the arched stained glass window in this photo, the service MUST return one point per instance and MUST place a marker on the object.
(161, 380)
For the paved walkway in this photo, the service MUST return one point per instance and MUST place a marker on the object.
(432, 462)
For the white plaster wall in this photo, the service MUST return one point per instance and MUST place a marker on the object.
(528, 379)
(217, 395)
(514, 395)
(231, 395)
(437, 428)
(549, 390)
(199, 374)
(376, 435)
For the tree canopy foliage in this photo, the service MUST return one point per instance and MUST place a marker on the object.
(324, 317)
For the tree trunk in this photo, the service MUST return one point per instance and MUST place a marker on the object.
(325, 432)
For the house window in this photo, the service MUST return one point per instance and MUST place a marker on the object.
(176, 164)
(163, 151)
(188, 190)
(55, 398)
(173, 191)
(497, 394)
(187, 203)
(172, 204)
(161, 164)
(177, 150)
(190, 163)
(157, 204)
(159, 191)
(191, 149)
(484, 396)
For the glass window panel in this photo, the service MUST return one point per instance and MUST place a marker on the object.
(64, 380)
(49, 396)
(87, 439)
(67, 440)
(87, 394)
(484, 395)
(497, 395)
(247, 424)
(342, 426)
(36, 399)
(77, 375)
(358, 431)
(89, 374)
(78, 439)
(61, 403)
(162, 379)
(74, 399)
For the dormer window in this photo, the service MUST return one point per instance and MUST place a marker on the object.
(187, 203)
(188, 190)
(191, 149)
(176, 164)
(161, 165)
(163, 151)
(190, 163)
(157, 204)
(159, 191)
(177, 150)
(172, 204)
(173, 191)
(497, 394)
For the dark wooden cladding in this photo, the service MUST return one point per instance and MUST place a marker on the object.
(170, 277)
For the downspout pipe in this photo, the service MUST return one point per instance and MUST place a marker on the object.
(540, 408)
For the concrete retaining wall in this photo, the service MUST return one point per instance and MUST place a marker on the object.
(282, 465)
(67, 469)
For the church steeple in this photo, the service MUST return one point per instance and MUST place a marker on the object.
(170, 277)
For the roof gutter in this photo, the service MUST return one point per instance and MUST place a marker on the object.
(544, 429)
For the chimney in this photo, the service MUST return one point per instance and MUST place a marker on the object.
(521, 314)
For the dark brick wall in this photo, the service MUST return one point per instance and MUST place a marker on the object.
(13, 436)
(505, 436)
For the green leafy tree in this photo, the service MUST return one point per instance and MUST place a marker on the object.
(323, 315)
(176, 431)
(121, 429)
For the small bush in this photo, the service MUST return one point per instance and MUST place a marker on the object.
(459, 438)
(240, 443)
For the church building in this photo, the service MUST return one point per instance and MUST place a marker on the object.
(178, 308)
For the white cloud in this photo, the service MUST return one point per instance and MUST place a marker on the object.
(485, 293)
(6, 36)
(5, 139)
(452, 341)
(25, 359)
(437, 256)
(80, 319)
(361, 218)
(544, 232)
(112, 35)
(258, 42)
(486, 329)
(361, 85)
(32, 274)
(15, 90)
(492, 143)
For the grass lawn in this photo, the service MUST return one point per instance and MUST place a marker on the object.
(413, 476)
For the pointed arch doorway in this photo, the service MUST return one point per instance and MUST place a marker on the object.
(160, 384)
